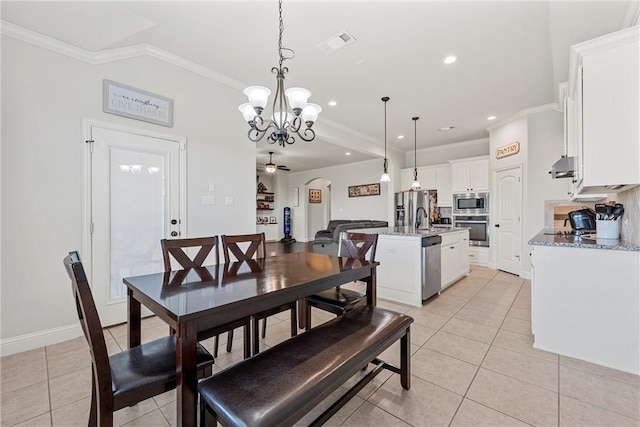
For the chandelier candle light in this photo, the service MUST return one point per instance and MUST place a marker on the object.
(385, 174)
(415, 185)
(283, 123)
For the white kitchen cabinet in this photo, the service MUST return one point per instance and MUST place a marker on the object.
(470, 175)
(585, 304)
(454, 257)
(479, 255)
(399, 273)
(443, 185)
(436, 177)
(603, 111)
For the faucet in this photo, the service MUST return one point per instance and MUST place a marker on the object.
(418, 222)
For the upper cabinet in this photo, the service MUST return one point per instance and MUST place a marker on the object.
(470, 175)
(603, 112)
(436, 177)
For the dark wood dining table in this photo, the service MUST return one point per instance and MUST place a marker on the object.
(199, 299)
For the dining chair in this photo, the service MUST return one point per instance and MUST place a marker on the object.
(254, 247)
(132, 375)
(176, 248)
(339, 300)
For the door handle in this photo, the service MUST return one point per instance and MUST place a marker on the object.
(174, 234)
(497, 226)
(174, 221)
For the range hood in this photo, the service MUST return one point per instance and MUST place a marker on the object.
(563, 168)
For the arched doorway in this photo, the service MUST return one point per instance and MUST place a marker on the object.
(318, 212)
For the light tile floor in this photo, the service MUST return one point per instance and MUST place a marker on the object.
(472, 364)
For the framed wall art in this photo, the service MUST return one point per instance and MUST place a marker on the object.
(139, 104)
(296, 195)
(315, 196)
(364, 190)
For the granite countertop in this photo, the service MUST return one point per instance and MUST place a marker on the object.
(409, 231)
(589, 242)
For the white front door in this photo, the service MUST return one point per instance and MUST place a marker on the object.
(135, 202)
(507, 220)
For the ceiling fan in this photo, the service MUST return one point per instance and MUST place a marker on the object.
(272, 167)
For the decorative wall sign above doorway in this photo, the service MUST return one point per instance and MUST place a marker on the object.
(138, 104)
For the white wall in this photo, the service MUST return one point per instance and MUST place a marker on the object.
(342, 206)
(541, 136)
(45, 97)
(444, 153)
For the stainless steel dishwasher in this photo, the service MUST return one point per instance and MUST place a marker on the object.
(431, 270)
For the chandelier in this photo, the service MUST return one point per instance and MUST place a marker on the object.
(283, 123)
(385, 174)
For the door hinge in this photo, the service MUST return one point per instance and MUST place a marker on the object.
(90, 142)
(91, 228)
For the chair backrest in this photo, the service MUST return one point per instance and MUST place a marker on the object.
(256, 247)
(90, 322)
(175, 248)
(357, 245)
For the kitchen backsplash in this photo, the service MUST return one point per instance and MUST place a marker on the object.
(556, 211)
(631, 201)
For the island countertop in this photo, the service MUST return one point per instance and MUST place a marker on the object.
(547, 238)
(408, 231)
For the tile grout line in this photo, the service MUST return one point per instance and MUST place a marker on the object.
(485, 356)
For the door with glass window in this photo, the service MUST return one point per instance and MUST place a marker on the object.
(135, 202)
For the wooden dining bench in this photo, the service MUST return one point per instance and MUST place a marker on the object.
(280, 385)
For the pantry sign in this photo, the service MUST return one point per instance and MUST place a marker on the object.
(137, 104)
(508, 150)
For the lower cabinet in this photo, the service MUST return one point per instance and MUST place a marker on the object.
(454, 258)
(585, 304)
(479, 255)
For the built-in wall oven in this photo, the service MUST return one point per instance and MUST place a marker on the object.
(478, 226)
(471, 204)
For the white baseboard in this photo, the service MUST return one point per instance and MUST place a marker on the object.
(525, 275)
(39, 339)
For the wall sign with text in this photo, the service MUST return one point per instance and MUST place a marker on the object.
(508, 150)
(137, 104)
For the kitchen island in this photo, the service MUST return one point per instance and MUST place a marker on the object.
(585, 299)
(400, 254)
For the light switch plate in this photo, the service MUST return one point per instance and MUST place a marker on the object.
(208, 201)
(228, 200)
(212, 186)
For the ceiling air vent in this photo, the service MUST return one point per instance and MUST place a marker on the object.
(336, 42)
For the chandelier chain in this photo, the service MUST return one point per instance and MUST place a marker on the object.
(281, 32)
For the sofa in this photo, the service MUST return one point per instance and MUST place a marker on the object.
(326, 241)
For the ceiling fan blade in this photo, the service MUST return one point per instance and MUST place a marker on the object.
(283, 168)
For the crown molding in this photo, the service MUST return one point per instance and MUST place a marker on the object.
(112, 55)
(441, 147)
(524, 113)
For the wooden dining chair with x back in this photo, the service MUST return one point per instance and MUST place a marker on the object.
(255, 247)
(176, 248)
(132, 375)
(339, 300)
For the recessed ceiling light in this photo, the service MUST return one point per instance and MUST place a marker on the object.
(446, 129)
(450, 59)
(400, 136)
(332, 103)
(491, 118)
(347, 153)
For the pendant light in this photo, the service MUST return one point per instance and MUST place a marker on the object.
(415, 185)
(385, 175)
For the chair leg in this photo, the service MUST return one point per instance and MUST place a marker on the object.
(215, 346)
(255, 332)
(307, 317)
(247, 339)
(405, 360)
(264, 327)
(207, 417)
(294, 319)
(229, 340)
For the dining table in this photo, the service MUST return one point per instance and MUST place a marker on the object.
(198, 299)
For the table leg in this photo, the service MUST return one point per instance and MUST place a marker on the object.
(372, 296)
(187, 375)
(302, 308)
(134, 321)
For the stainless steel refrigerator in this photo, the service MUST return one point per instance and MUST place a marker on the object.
(409, 202)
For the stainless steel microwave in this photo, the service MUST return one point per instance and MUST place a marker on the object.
(471, 204)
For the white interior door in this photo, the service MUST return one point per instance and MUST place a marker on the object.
(135, 202)
(507, 223)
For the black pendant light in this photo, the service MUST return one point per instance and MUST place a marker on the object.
(415, 185)
(385, 174)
